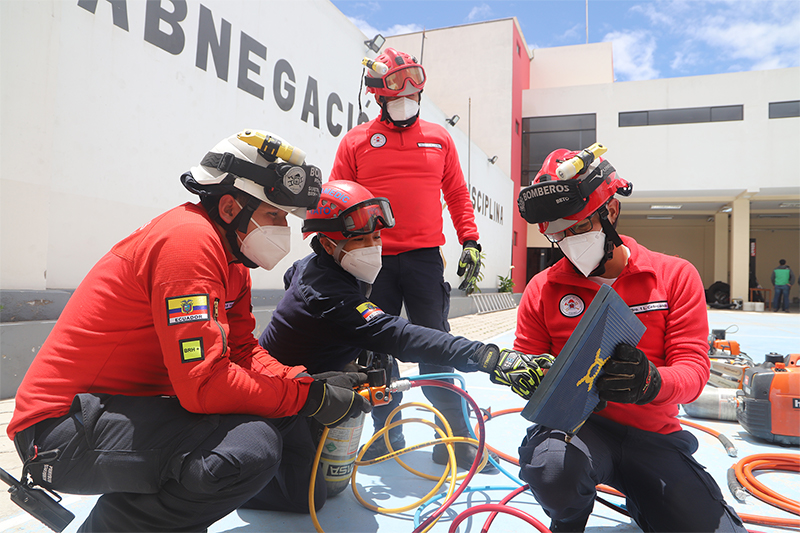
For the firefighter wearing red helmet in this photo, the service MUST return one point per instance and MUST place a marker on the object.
(633, 442)
(413, 163)
(327, 292)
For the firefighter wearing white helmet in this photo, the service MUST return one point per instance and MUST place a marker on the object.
(152, 366)
(633, 441)
(267, 169)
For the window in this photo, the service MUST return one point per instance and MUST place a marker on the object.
(784, 109)
(542, 135)
(687, 115)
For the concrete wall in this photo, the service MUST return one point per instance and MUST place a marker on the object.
(105, 105)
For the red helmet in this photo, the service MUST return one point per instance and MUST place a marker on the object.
(347, 209)
(404, 75)
(557, 205)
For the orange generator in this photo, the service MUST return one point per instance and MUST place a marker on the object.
(768, 405)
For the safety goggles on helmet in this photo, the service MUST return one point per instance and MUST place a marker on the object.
(284, 184)
(397, 80)
(361, 219)
(553, 199)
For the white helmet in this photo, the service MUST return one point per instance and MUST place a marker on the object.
(262, 165)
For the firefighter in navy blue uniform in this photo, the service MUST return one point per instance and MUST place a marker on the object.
(325, 294)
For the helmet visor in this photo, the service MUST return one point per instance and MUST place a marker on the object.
(368, 216)
(395, 81)
(361, 219)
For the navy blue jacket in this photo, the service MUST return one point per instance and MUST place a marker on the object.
(324, 321)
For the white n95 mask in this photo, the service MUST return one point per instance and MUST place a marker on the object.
(402, 109)
(363, 263)
(585, 251)
(267, 245)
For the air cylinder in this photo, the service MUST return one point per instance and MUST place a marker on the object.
(339, 454)
(714, 403)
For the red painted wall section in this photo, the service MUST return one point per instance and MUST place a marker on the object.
(520, 82)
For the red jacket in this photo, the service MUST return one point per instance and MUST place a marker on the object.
(165, 312)
(409, 166)
(666, 294)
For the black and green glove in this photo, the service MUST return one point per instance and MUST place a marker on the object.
(517, 370)
(332, 398)
(469, 265)
(629, 377)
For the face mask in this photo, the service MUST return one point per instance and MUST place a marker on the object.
(585, 250)
(402, 109)
(363, 263)
(267, 245)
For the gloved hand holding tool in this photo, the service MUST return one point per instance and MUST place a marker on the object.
(628, 377)
(469, 266)
(517, 370)
(332, 398)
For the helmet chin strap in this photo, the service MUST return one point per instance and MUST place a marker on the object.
(386, 117)
(612, 241)
(240, 223)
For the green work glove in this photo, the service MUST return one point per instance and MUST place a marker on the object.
(517, 370)
(629, 377)
(333, 400)
(469, 266)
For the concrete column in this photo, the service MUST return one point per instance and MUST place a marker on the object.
(720, 247)
(740, 249)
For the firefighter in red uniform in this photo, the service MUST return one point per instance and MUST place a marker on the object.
(412, 163)
(635, 443)
(151, 387)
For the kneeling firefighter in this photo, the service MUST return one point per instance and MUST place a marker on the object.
(327, 292)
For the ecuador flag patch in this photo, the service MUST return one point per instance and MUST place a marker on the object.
(369, 311)
(189, 308)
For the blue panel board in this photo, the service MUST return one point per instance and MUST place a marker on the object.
(567, 395)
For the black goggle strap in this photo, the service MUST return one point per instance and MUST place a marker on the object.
(228, 162)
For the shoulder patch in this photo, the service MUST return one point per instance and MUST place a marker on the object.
(189, 308)
(429, 145)
(369, 311)
(571, 305)
(192, 350)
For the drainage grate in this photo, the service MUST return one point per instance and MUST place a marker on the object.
(494, 302)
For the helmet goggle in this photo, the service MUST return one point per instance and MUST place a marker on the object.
(361, 219)
(396, 80)
(284, 184)
(553, 199)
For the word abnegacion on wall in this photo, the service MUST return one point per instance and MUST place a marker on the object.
(217, 41)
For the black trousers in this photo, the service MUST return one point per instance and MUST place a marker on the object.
(416, 279)
(666, 489)
(159, 467)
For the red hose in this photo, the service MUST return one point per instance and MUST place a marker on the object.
(481, 445)
(497, 508)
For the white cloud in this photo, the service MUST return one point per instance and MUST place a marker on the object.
(573, 33)
(633, 55)
(400, 29)
(370, 31)
(758, 33)
(481, 12)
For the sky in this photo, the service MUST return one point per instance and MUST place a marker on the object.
(651, 38)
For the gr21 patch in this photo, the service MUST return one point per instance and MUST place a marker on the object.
(369, 311)
(189, 308)
(192, 350)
